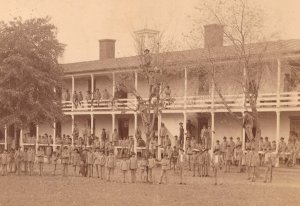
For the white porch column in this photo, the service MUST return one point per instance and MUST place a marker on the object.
(5, 137)
(92, 89)
(114, 84)
(277, 129)
(73, 89)
(184, 127)
(159, 144)
(73, 122)
(37, 138)
(21, 138)
(135, 80)
(212, 132)
(278, 81)
(185, 86)
(243, 135)
(92, 123)
(113, 122)
(135, 128)
(54, 136)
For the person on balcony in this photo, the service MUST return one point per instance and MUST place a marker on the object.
(80, 99)
(97, 96)
(248, 125)
(67, 96)
(88, 96)
(147, 59)
(75, 99)
(105, 96)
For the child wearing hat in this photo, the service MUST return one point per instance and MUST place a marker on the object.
(40, 157)
(4, 162)
(181, 164)
(133, 167)
(102, 163)
(31, 158)
(55, 157)
(65, 156)
(195, 161)
(124, 165)
(76, 159)
(254, 162)
(110, 164)
(90, 161)
(200, 159)
(216, 164)
(97, 157)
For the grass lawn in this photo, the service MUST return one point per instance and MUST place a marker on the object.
(236, 190)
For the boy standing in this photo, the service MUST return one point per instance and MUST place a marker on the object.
(195, 161)
(110, 164)
(216, 163)
(151, 165)
(4, 162)
(164, 169)
(124, 168)
(133, 167)
(65, 160)
(181, 163)
(31, 157)
(270, 159)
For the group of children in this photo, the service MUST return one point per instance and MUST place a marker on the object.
(90, 162)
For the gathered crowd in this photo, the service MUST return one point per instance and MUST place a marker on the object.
(91, 156)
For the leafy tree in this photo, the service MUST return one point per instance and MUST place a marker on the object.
(30, 76)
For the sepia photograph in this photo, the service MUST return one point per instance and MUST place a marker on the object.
(149, 102)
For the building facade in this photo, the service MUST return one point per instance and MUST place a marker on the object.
(194, 94)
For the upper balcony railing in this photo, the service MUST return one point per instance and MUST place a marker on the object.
(234, 102)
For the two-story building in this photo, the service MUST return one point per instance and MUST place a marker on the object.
(194, 94)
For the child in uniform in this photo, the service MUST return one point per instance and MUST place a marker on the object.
(124, 167)
(110, 164)
(216, 164)
(164, 169)
(4, 162)
(102, 164)
(40, 157)
(143, 167)
(254, 162)
(270, 159)
(55, 157)
(133, 167)
(31, 157)
(90, 162)
(97, 156)
(151, 165)
(18, 160)
(181, 164)
(206, 161)
(65, 156)
(201, 163)
(25, 157)
(195, 161)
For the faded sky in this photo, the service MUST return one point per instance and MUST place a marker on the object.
(81, 23)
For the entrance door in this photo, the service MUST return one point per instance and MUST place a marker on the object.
(294, 127)
(202, 121)
(123, 125)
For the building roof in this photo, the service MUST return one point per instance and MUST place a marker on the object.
(188, 57)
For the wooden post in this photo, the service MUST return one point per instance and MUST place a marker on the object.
(278, 81)
(114, 84)
(73, 89)
(135, 128)
(37, 138)
(92, 124)
(212, 132)
(184, 127)
(21, 138)
(243, 135)
(54, 136)
(92, 89)
(185, 86)
(159, 120)
(73, 122)
(5, 137)
(277, 129)
(135, 80)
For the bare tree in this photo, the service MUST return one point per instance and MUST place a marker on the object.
(154, 68)
(242, 28)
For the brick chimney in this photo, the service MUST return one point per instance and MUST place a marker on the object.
(213, 35)
(106, 49)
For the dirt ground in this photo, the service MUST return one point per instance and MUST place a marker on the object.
(236, 190)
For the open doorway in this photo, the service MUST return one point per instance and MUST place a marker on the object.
(202, 121)
(123, 126)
